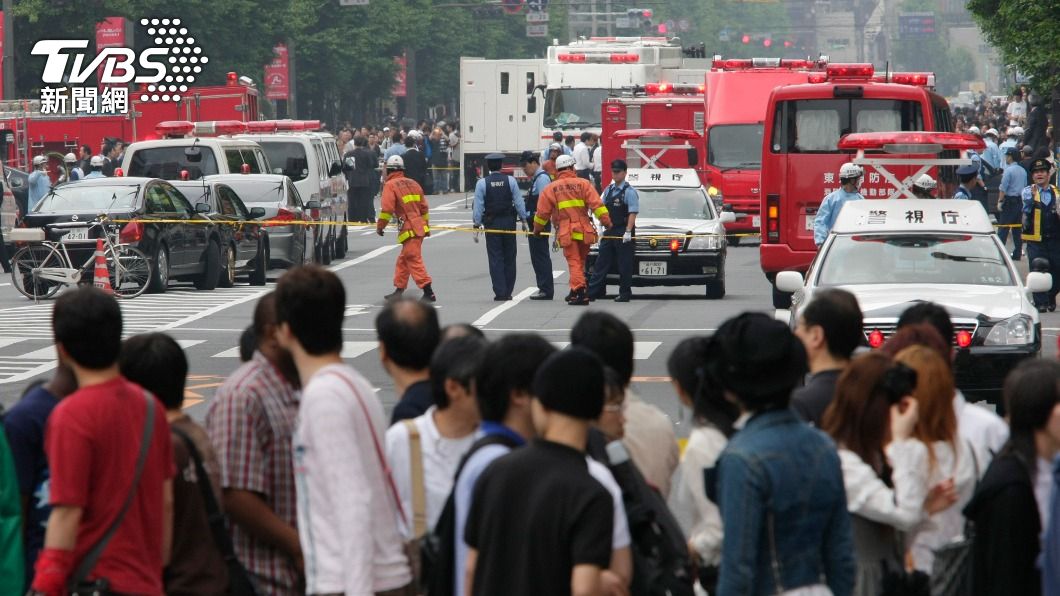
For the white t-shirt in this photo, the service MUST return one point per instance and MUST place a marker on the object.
(582, 157)
(705, 444)
(440, 455)
(985, 430)
(347, 514)
(598, 165)
(947, 525)
(620, 533)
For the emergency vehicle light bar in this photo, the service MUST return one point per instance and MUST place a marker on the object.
(749, 63)
(174, 128)
(910, 142)
(922, 79)
(621, 58)
(261, 126)
(658, 88)
(850, 71)
(220, 127)
(297, 125)
(628, 39)
(666, 133)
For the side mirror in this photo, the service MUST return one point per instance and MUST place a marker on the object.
(789, 281)
(693, 157)
(531, 104)
(312, 205)
(336, 168)
(727, 217)
(193, 154)
(1039, 282)
(257, 212)
(529, 83)
(202, 207)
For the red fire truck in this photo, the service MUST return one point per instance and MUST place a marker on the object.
(25, 131)
(801, 154)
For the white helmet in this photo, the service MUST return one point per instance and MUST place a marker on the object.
(991, 132)
(1018, 131)
(96, 161)
(974, 130)
(394, 162)
(564, 161)
(39, 160)
(70, 158)
(925, 182)
(850, 170)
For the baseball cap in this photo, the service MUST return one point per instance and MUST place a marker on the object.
(1012, 151)
(571, 382)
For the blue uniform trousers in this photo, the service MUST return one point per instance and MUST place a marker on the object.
(611, 253)
(500, 250)
(542, 261)
(1049, 249)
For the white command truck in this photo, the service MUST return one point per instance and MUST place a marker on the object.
(502, 111)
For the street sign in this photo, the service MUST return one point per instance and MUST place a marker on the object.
(684, 25)
(537, 17)
(539, 30)
(353, 2)
(512, 6)
(537, 5)
(912, 25)
(623, 23)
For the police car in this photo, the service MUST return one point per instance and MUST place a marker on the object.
(680, 237)
(893, 253)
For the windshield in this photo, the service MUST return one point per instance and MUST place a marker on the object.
(195, 194)
(735, 146)
(89, 199)
(676, 203)
(815, 125)
(258, 192)
(914, 259)
(573, 108)
(167, 162)
(287, 157)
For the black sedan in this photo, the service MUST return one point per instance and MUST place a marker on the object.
(179, 239)
(242, 242)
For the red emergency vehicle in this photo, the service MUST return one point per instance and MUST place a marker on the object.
(737, 91)
(801, 155)
(26, 132)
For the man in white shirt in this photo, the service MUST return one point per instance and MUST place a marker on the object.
(582, 154)
(598, 162)
(348, 510)
(441, 436)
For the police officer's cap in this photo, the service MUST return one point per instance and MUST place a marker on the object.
(1041, 164)
(528, 157)
(967, 170)
(618, 165)
(495, 156)
(1012, 151)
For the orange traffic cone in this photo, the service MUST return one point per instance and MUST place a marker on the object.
(101, 279)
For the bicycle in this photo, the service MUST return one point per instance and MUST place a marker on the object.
(43, 266)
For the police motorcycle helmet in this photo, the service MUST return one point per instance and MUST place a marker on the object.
(1040, 265)
(394, 162)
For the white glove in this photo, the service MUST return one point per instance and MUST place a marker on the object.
(627, 237)
(522, 225)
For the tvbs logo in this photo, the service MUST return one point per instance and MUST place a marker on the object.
(173, 58)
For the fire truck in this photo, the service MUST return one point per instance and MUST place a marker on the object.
(25, 131)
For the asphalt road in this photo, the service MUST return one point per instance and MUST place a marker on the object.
(208, 324)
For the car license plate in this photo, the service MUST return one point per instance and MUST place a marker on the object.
(76, 235)
(756, 221)
(653, 268)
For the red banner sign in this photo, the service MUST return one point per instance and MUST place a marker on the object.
(110, 34)
(277, 75)
(400, 87)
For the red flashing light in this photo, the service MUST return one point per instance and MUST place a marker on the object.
(658, 88)
(672, 133)
(912, 78)
(880, 140)
(746, 38)
(220, 127)
(675, 244)
(184, 175)
(876, 338)
(662, 28)
(788, 43)
(118, 172)
(310, 125)
(614, 109)
(174, 128)
(131, 232)
(261, 126)
(850, 71)
(964, 339)
(244, 169)
(646, 13)
(624, 58)
(817, 77)
(232, 79)
(767, 42)
(571, 57)
(731, 64)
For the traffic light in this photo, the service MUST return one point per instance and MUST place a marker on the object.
(766, 43)
(640, 18)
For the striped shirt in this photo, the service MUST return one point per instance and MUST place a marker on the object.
(251, 421)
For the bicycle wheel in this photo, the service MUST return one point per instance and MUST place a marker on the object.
(130, 273)
(26, 265)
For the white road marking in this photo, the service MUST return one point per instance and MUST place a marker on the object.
(642, 350)
(497, 311)
(48, 353)
(375, 253)
(7, 341)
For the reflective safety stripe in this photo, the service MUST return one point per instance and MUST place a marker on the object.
(426, 217)
(385, 216)
(577, 236)
(404, 236)
(410, 199)
(540, 221)
(601, 210)
(571, 203)
(426, 229)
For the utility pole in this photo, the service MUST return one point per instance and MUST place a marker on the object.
(9, 51)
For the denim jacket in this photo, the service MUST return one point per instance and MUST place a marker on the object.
(781, 468)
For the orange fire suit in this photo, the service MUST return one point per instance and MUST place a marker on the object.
(568, 202)
(403, 198)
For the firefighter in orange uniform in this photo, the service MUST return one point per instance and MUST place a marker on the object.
(570, 202)
(403, 198)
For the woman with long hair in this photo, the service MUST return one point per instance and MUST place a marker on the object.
(873, 420)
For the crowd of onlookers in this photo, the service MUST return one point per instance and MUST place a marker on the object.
(508, 466)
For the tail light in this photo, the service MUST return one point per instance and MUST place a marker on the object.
(131, 232)
(772, 218)
(283, 216)
(875, 338)
(964, 339)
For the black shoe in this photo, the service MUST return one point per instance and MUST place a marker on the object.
(570, 296)
(1043, 308)
(581, 298)
(1052, 306)
(622, 298)
(428, 294)
(501, 298)
(541, 296)
(1016, 257)
(395, 295)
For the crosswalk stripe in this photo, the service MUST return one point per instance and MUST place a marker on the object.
(7, 341)
(642, 350)
(350, 349)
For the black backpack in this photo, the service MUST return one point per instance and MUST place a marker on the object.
(438, 547)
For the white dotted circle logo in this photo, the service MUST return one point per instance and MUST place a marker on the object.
(185, 59)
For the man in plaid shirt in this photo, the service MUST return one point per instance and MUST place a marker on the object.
(251, 422)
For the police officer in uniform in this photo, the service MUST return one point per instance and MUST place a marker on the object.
(623, 203)
(969, 178)
(497, 204)
(539, 256)
(1010, 202)
(1041, 228)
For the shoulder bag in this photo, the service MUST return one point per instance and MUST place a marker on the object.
(79, 584)
(239, 582)
(414, 548)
